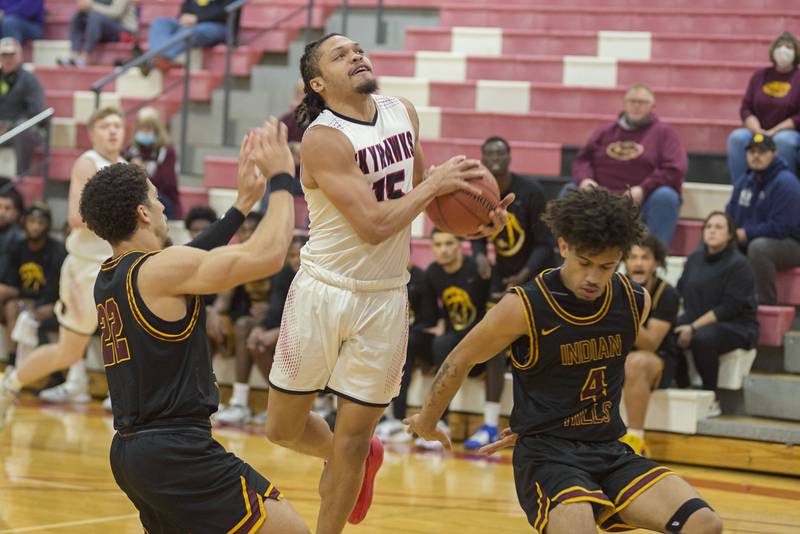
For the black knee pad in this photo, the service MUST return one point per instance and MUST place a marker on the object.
(679, 518)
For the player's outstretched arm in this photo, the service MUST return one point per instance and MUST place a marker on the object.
(501, 326)
(328, 159)
(82, 170)
(190, 271)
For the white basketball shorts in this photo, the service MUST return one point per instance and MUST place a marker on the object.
(351, 343)
(75, 309)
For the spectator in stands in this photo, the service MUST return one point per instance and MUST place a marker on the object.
(22, 19)
(262, 341)
(95, 22)
(453, 282)
(524, 246)
(651, 364)
(421, 320)
(771, 106)
(198, 219)
(10, 231)
(246, 306)
(764, 207)
(640, 156)
(719, 299)
(204, 20)
(31, 281)
(21, 97)
(152, 150)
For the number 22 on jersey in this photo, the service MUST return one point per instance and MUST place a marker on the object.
(114, 346)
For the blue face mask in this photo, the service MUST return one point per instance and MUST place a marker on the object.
(146, 139)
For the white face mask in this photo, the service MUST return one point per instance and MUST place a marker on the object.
(783, 56)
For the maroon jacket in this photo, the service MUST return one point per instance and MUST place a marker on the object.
(772, 97)
(617, 159)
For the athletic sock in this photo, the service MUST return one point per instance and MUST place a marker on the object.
(491, 413)
(241, 394)
(76, 376)
(638, 432)
(12, 381)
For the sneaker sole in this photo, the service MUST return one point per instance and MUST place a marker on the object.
(374, 463)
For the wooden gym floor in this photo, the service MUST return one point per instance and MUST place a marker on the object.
(54, 478)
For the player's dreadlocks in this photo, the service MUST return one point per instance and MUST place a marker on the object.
(595, 220)
(312, 104)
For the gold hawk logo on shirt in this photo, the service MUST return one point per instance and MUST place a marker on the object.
(624, 150)
(459, 307)
(258, 291)
(32, 276)
(509, 240)
(777, 89)
(203, 3)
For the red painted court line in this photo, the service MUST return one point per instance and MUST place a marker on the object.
(741, 487)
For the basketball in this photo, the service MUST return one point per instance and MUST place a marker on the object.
(461, 213)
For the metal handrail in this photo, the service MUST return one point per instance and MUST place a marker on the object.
(97, 86)
(34, 121)
(232, 11)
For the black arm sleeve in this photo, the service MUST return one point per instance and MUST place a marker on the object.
(219, 233)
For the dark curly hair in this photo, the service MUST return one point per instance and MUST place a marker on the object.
(312, 104)
(110, 198)
(595, 220)
(656, 247)
(200, 213)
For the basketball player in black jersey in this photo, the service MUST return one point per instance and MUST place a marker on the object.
(156, 354)
(571, 330)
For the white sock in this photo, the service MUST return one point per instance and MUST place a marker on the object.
(12, 381)
(638, 432)
(76, 376)
(241, 394)
(491, 413)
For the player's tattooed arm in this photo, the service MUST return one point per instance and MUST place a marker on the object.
(501, 326)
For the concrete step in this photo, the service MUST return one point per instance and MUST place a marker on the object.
(751, 428)
(773, 395)
(791, 352)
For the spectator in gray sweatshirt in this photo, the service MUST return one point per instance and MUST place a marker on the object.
(21, 97)
(95, 22)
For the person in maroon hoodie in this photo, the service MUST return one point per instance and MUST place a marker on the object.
(771, 106)
(640, 156)
(152, 150)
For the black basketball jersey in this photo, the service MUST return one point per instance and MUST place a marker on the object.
(159, 372)
(568, 371)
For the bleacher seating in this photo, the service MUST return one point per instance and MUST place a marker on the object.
(544, 76)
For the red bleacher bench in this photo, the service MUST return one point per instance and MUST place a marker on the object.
(788, 285)
(686, 238)
(775, 321)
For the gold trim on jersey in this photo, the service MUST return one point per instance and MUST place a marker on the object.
(533, 354)
(662, 285)
(564, 314)
(632, 301)
(146, 326)
(113, 262)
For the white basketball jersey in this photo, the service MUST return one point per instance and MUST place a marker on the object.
(384, 151)
(82, 242)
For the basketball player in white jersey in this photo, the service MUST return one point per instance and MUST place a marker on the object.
(345, 323)
(75, 309)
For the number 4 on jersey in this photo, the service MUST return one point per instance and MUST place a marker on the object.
(595, 386)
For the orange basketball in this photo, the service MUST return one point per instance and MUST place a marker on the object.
(462, 212)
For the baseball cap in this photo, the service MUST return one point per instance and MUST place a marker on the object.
(762, 141)
(8, 45)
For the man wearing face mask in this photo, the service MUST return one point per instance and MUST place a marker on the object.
(771, 106)
(638, 155)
